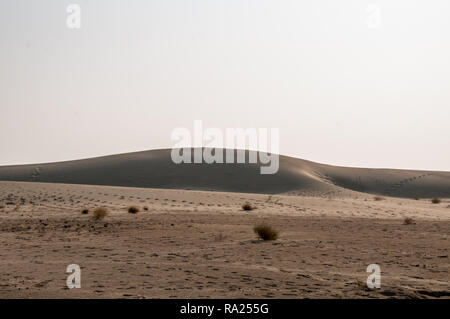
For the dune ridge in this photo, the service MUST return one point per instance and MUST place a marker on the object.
(155, 169)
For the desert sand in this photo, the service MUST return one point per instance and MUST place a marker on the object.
(155, 169)
(193, 240)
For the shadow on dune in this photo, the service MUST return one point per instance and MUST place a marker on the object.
(155, 169)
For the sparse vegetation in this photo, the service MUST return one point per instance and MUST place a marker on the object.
(145, 208)
(416, 198)
(100, 213)
(133, 209)
(220, 237)
(265, 232)
(408, 221)
(378, 198)
(248, 206)
(362, 285)
(435, 200)
(85, 211)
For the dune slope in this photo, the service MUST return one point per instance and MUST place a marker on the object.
(155, 169)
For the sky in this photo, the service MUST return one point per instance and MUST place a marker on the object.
(349, 83)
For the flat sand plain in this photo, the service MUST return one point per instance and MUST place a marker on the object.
(201, 244)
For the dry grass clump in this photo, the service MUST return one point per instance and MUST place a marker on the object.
(265, 232)
(378, 198)
(100, 213)
(362, 285)
(220, 237)
(133, 209)
(409, 221)
(85, 211)
(435, 200)
(248, 206)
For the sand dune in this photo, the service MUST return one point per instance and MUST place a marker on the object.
(200, 244)
(155, 169)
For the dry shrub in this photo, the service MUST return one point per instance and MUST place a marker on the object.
(248, 206)
(85, 211)
(220, 237)
(265, 232)
(362, 285)
(145, 208)
(378, 198)
(435, 200)
(100, 213)
(408, 221)
(133, 209)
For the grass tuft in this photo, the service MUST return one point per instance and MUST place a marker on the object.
(409, 221)
(248, 206)
(265, 232)
(100, 213)
(435, 200)
(133, 209)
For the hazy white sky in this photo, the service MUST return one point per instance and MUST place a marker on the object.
(340, 91)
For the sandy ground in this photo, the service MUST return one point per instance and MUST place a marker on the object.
(194, 244)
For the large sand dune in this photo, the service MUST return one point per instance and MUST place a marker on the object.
(201, 244)
(155, 169)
